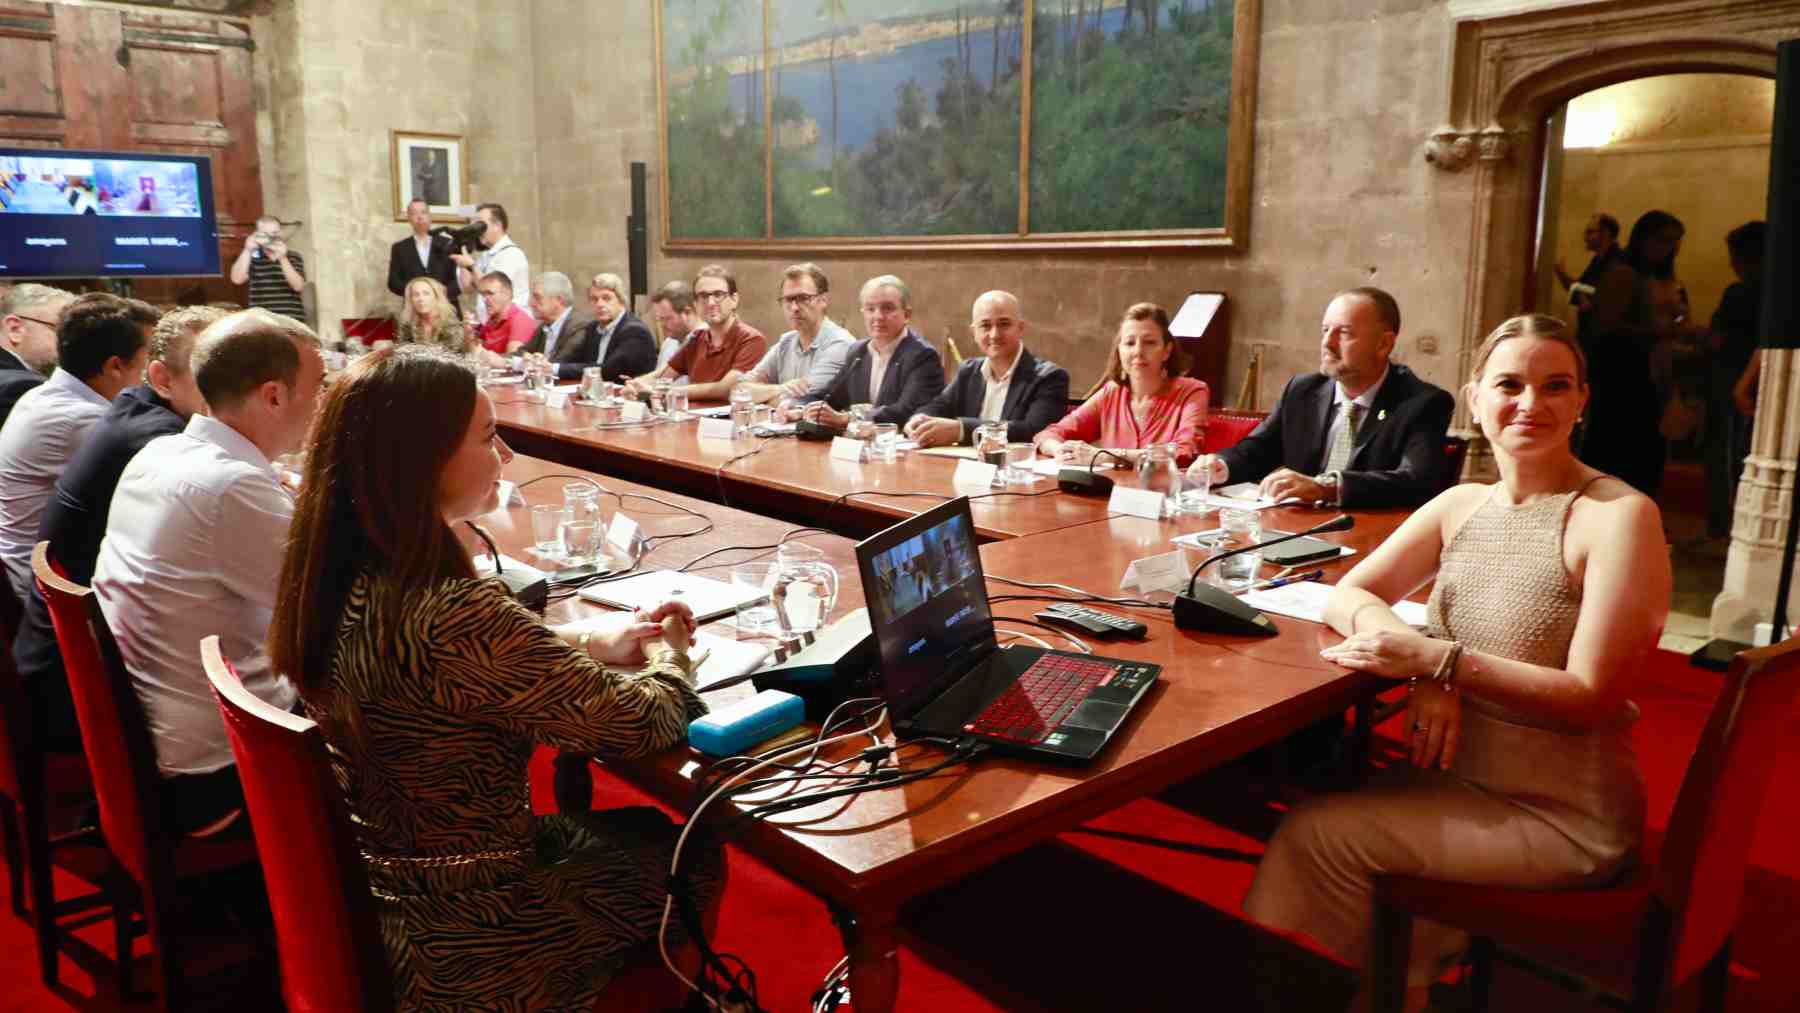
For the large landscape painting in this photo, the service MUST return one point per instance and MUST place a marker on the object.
(918, 122)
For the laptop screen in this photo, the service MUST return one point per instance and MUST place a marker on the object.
(927, 602)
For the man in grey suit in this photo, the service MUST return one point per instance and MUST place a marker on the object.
(560, 323)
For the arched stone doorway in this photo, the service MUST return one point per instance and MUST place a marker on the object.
(1509, 69)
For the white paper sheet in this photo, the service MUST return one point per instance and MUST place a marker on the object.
(1306, 600)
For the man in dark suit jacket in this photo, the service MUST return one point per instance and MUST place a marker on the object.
(1007, 383)
(1393, 451)
(612, 338)
(29, 316)
(561, 325)
(403, 258)
(912, 373)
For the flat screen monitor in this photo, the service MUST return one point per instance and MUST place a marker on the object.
(106, 214)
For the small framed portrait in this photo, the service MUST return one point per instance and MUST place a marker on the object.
(431, 166)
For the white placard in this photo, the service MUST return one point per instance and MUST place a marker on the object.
(1047, 466)
(632, 411)
(622, 532)
(843, 448)
(977, 475)
(509, 497)
(1145, 503)
(1167, 572)
(715, 429)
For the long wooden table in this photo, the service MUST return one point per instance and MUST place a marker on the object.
(781, 477)
(1219, 697)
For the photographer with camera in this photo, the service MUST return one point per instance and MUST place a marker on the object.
(499, 253)
(275, 274)
(422, 254)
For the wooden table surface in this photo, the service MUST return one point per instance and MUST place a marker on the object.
(1219, 697)
(784, 477)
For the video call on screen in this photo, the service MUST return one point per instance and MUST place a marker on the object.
(63, 214)
(930, 593)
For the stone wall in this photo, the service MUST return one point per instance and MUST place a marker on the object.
(1340, 196)
(340, 74)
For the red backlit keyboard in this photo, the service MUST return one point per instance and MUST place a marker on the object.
(1032, 707)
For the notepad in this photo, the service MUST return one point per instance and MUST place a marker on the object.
(708, 598)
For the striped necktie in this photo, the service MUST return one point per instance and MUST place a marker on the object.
(1345, 443)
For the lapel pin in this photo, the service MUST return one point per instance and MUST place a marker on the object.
(1381, 416)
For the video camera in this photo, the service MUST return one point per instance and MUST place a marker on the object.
(461, 239)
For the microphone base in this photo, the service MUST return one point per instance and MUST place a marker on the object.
(814, 431)
(1084, 482)
(1214, 610)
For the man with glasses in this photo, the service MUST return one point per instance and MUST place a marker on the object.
(724, 345)
(893, 368)
(29, 315)
(808, 358)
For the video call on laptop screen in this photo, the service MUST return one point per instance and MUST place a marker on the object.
(930, 609)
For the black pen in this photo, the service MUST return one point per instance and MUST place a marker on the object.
(1285, 581)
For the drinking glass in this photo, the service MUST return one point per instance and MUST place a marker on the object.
(547, 520)
(610, 413)
(1018, 463)
(757, 618)
(582, 499)
(860, 420)
(659, 395)
(593, 384)
(761, 415)
(1195, 487)
(678, 404)
(809, 585)
(581, 541)
(990, 448)
(883, 448)
(1239, 528)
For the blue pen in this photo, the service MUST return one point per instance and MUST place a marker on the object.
(1285, 581)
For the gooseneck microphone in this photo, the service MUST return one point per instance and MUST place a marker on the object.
(1215, 610)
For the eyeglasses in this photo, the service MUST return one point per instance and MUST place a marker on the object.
(796, 301)
(712, 296)
(35, 320)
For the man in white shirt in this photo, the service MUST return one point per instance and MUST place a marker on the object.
(29, 314)
(102, 344)
(501, 254)
(193, 548)
(808, 358)
(421, 255)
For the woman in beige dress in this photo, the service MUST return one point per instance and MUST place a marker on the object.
(1552, 585)
(429, 318)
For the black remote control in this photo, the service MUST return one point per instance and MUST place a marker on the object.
(1100, 624)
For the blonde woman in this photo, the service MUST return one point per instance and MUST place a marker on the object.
(429, 319)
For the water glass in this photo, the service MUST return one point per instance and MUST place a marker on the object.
(861, 419)
(659, 395)
(1196, 485)
(809, 585)
(532, 384)
(761, 415)
(678, 404)
(593, 384)
(582, 499)
(1018, 463)
(610, 413)
(884, 447)
(990, 448)
(547, 520)
(1238, 528)
(757, 618)
(581, 541)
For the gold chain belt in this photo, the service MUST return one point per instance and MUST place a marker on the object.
(441, 861)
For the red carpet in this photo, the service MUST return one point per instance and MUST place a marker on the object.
(1136, 911)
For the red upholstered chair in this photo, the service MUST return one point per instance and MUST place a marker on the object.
(331, 952)
(30, 779)
(1225, 427)
(1672, 917)
(1456, 451)
(147, 863)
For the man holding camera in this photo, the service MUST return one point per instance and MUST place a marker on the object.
(499, 253)
(275, 274)
(421, 254)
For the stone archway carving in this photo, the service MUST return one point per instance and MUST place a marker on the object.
(1507, 73)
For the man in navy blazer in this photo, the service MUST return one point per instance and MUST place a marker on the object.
(615, 340)
(909, 370)
(1007, 383)
(421, 254)
(1393, 453)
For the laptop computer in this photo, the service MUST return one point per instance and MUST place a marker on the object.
(944, 674)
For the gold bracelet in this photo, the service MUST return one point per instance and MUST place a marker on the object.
(581, 643)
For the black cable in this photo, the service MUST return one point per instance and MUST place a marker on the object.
(685, 567)
(719, 472)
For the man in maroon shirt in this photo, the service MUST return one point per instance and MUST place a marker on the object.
(725, 342)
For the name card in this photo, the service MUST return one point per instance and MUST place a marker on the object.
(622, 533)
(557, 397)
(632, 411)
(1167, 572)
(1145, 503)
(974, 475)
(713, 429)
(843, 448)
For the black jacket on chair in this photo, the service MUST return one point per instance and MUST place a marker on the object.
(15, 379)
(1399, 456)
(914, 376)
(404, 266)
(1038, 396)
(632, 351)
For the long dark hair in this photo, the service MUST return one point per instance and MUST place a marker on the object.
(369, 500)
(1644, 230)
(1175, 365)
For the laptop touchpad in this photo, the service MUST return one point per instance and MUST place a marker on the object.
(1099, 715)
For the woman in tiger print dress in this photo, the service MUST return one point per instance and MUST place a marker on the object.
(433, 688)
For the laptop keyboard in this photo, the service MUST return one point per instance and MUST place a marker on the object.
(1043, 696)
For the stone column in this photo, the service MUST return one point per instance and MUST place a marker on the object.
(1759, 530)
